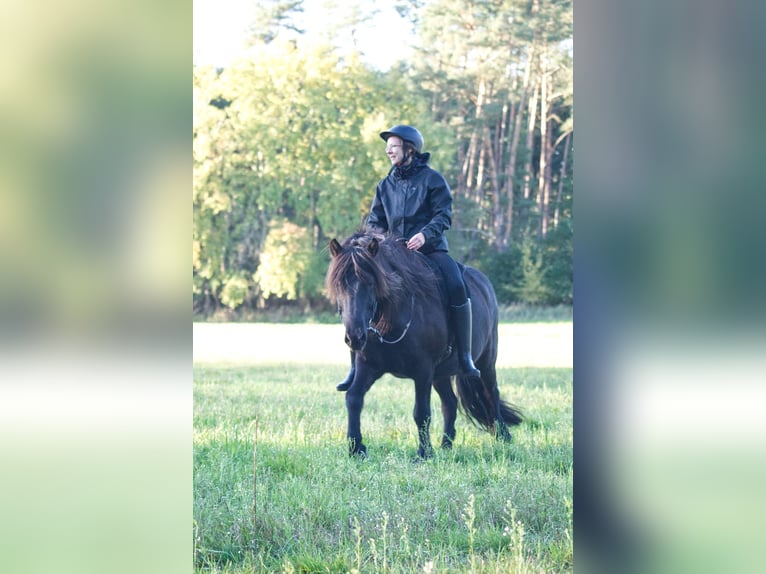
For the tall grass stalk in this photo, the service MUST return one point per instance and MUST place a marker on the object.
(469, 517)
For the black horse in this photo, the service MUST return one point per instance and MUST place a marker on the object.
(396, 322)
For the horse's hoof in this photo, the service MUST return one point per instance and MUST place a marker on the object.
(424, 455)
(359, 452)
(503, 434)
(342, 387)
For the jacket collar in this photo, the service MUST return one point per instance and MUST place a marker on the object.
(419, 161)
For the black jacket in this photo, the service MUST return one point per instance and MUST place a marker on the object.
(414, 199)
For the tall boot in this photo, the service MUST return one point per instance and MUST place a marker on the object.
(461, 323)
(344, 386)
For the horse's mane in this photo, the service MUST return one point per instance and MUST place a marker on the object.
(383, 262)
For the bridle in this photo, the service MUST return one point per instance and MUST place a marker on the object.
(370, 326)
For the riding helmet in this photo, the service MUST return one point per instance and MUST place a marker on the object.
(407, 133)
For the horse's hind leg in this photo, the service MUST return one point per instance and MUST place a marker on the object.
(422, 416)
(489, 380)
(443, 386)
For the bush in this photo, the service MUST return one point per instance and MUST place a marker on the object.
(558, 263)
(532, 288)
(234, 291)
(504, 272)
(287, 267)
(533, 273)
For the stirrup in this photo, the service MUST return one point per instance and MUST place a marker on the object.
(467, 367)
(346, 384)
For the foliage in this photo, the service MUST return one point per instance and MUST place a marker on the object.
(276, 137)
(286, 262)
(504, 270)
(558, 256)
(531, 287)
(524, 313)
(234, 291)
(500, 74)
(288, 134)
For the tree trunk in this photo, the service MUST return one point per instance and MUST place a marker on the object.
(482, 151)
(461, 176)
(494, 180)
(543, 171)
(468, 163)
(501, 137)
(532, 120)
(562, 175)
(473, 163)
(510, 179)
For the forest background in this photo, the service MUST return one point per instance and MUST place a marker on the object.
(287, 153)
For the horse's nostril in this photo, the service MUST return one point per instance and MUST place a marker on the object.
(356, 341)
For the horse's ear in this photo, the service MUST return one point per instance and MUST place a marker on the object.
(335, 247)
(373, 247)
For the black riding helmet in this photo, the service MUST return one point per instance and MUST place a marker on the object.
(407, 133)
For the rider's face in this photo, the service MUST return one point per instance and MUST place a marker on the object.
(395, 150)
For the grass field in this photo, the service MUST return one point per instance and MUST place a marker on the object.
(304, 506)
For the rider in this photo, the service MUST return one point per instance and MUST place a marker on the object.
(414, 201)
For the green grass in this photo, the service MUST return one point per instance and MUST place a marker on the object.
(295, 314)
(482, 507)
(523, 313)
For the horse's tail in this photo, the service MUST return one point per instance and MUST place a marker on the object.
(476, 403)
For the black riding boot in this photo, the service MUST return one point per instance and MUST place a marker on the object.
(349, 378)
(461, 324)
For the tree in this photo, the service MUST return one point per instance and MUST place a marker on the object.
(273, 16)
(288, 134)
(286, 262)
(227, 228)
(502, 70)
(532, 287)
(285, 133)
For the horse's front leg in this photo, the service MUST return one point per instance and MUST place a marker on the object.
(422, 416)
(363, 380)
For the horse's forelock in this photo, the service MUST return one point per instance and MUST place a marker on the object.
(355, 260)
(394, 271)
(368, 270)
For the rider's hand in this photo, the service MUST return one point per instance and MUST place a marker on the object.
(416, 242)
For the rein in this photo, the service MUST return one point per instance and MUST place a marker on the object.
(406, 328)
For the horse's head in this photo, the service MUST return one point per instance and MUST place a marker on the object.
(354, 280)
